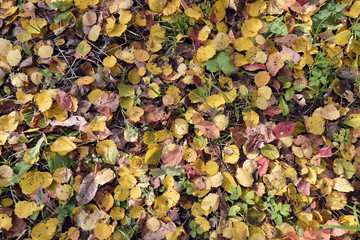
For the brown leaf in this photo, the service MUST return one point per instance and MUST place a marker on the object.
(209, 129)
(88, 189)
(173, 157)
(111, 100)
(29, 8)
(18, 227)
(63, 100)
(238, 134)
(274, 63)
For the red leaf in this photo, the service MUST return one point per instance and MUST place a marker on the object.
(209, 129)
(194, 35)
(63, 100)
(254, 67)
(192, 171)
(272, 111)
(197, 80)
(290, 236)
(262, 164)
(304, 187)
(173, 157)
(284, 129)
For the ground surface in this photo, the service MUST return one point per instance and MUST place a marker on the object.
(179, 119)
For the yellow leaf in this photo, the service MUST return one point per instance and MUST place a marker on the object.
(104, 176)
(6, 174)
(194, 12)
(121, 193)
(117, 213)
(315, 124)
(243, 44)
(135, 192)
(203, 223)
(103, 231)
(8, 123)
(262, 78)
(221, 121)
(153, 154)
(211, 168)
(125, 17)
(219, 10)
(239, 230)
(228, 181)
(153, 224)
(32, 180)
(83, 48)
(342, 185)
(5, 222)
(45, 51)
(134, 113)
(330, 112)
(23, 97)
(97, 126)
(57, 112)
(135, 212)
(24, 209)
(251, 27)
(211, 201)
(221, 41)
(43, 100)
(244, 177)
(251, 118)
(204, 53)
(141, 55)
(181, 126)
(109, 61)
(62, 145)
(215, 100)
(13, 57)
(153, 90)
(204, 33)
(18, 79)
(354, 11)
(5, 47)
(64, 192)
(94, 33)
(94, 95)
(89, 221)
(102, 147)
(157, 5)
(231, 154)
(336, 200)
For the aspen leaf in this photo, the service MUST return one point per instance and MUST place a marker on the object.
(103, 147)
(204, 53)
(181, 126)
(103, 231)
(134, 113)
(104, 176)
(221, 121)
(157, 5)
(88, 188)
(353, 120)
(8, 123)
(262, 78)
(221, 41)
(45, 51)
(94, 33)
(251, 118)
(83, 48)
(121, 193)
(153, 154)
(32, 180)
(6, 174)
(270, 151)
(211, 201)
(153, 224)
(43, 100)
(24, 209)
(109, 61)
(194, 12)
(330, 112)
(203, 223)
(13, 57)
(89, 221)
(5, 47)
(5, 222)
(231, 154)
(244, 177)
(342, 185)
(62, 145)
(315, 124)
(243, 44)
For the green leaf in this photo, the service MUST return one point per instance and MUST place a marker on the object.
(35, 150)
(232, 189)
(200, 230)
(278, 26)
(289, 94)
(278, 220)
(61, 5)
(287, 85)
(19, 169)
(220, 61)
(193, 233)
(192, 224)
(58, 161)
(234, 197)
(26, 50)
(249, 195)
(62, 16)
(233, 210)
(284, 107)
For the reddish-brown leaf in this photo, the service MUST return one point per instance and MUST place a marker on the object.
(284, 129)
(88, 189)
(63, 100)
(209, 129)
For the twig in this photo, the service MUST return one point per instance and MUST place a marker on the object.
(222, 162)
